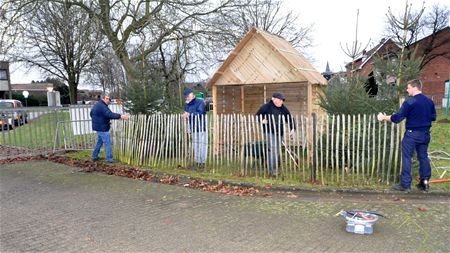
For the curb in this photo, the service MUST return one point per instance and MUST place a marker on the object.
(438, 192)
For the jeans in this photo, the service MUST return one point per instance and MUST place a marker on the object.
(272, 152)
(415, 140)
(103, 138)
(200, 146)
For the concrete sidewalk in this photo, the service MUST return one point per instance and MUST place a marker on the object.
(52, 207)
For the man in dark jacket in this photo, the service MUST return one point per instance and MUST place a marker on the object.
(270, 115)
(419, 112)
(195, 115)
(101, 116)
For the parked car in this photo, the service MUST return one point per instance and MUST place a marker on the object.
(12, 113)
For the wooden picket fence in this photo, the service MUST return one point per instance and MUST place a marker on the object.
(333, 149)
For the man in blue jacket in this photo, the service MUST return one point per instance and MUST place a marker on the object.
(195, 115)
(419, 112)
(101, 116)
(271, 114)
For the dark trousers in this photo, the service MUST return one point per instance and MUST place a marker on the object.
(415, 140)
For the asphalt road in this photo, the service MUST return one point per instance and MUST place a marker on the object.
(46, 207)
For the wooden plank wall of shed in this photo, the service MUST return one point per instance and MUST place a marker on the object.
(295, 93)
(253, 98)
(229, 97)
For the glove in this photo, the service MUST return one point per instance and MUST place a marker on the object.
(125, 116)
(381, 116)
(292, 133)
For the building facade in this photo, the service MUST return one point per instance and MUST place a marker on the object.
(5, 83)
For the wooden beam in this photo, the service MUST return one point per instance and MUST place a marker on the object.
(242, 99)
(265, 94)
(216, 133)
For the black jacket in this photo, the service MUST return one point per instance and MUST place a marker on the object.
(275, 125)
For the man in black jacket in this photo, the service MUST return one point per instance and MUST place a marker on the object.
(271, 115)
(101, 123)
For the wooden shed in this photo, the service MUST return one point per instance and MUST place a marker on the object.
(260, 64)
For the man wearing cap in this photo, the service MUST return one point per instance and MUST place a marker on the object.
(101, 123)
(270, 115)
(195, 115)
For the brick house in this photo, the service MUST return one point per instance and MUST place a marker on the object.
(387, 49)
(436, 63)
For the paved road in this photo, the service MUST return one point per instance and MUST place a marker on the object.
(51, 207)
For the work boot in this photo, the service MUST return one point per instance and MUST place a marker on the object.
(111, 162)
(423, 185)
(400, 187)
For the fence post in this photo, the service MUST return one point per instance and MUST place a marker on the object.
(56, 124)
(313, 150)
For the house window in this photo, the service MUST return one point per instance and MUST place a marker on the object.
(3, 75)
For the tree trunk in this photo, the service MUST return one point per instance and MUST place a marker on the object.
(73, 90)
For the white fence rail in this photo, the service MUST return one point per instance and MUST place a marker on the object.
(338, 148)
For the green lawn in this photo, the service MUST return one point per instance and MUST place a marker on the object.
(37, 134)
(440, 141)
(440, 133)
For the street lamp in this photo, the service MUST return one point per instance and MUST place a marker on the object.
(25, 95)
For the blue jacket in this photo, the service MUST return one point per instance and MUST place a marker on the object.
(419, 111)
(197, 114)
(101, 116)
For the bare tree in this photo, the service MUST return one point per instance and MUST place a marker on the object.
(408, 24)
(13, 23)
(181, 37)
(267, 15)
(60, 40)
(434, 21)
(413, 25)
(124, 22)
(121, 21)
(404, 27)
(106, 72)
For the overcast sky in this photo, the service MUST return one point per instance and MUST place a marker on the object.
(334, 23)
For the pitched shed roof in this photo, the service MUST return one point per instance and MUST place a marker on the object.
(261, 57)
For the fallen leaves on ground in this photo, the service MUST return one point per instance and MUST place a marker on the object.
(136, 173)
(22, 159)
(398, 199)
(117, 170)
(291, 195)
(222, 188)
(169, 180)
